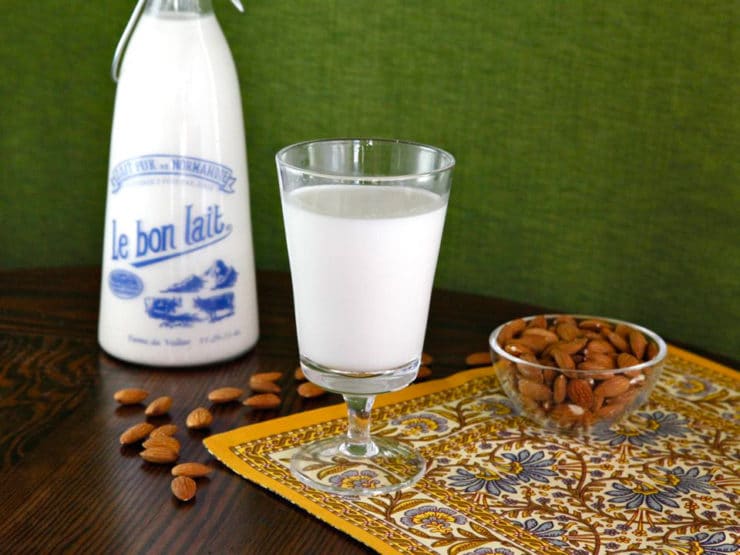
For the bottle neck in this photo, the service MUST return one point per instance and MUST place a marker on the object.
(179, 6)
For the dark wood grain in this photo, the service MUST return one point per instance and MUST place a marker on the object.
(67, 484)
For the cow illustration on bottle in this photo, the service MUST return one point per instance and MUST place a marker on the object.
(185, 304)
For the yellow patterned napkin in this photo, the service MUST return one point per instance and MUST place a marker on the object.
(666, 480)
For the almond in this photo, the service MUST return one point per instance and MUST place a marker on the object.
(160, 406)
(269, 376)
(610, 411)
(613, 386)
(225, 394)
(165, 430)
(183, 488)
(563, 359)
(478, 359)
(426, 359)
(538, 321)
(603, 360)
(135, 433)
(299, 375)
(534, 390)
(263, 385)
(199, 418)
(651, 351)
(547, 335)
(310, 390)
(573, 346)
(191, 470)
(638, 343)
(599, 346)
(513, 328)
(159, 455)
(565, 415)
(263, 401)
(616, 340)
(567, 331)
(130, 396)
(595, 325)
(579, 391)
(625, 360)
(535, 343)
(423, 373)
(513, 347)
(162, 441)
(559, 389)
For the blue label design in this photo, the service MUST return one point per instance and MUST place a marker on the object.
(153, 243)
(191, 306)
(206, 171)
(125, 284)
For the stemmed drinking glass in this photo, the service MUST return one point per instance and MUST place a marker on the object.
(363, 222)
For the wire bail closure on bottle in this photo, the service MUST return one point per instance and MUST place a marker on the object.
(123, 41)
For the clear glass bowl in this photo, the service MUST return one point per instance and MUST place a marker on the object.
(576, 372)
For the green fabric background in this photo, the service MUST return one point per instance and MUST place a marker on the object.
(596, 141)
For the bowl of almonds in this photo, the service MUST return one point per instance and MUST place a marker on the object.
(575, 372)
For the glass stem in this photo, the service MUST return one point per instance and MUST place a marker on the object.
(359, 443)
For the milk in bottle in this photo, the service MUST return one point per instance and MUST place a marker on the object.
(178, 283)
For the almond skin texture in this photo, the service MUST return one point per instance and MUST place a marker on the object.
(299, 375)
(478, 359)
(191, 470)
(199, 418)
(225, 394)
(559, 389)
(638, 343)
(263, 401)
(135, 433)
(263, 385)
(130, 396)
(168, 442)
(160, 406)
(183, 488)
(165, 430)
(613, 386)
(580, 393)
(309, 390)
(534, 390)
(159, 455)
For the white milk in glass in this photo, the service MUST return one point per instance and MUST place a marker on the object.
(178, 283)
(362, 264)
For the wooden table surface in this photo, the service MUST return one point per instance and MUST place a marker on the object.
(67, 484)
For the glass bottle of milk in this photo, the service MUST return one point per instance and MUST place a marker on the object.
(178, 280)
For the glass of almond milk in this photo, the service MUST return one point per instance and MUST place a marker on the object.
(363, 223)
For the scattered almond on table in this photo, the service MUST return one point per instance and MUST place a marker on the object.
(130, 396)
(478, 359)
(159, 455)
(310, 390)
(199, 418)
(423, 373)
(136, 433)
(225, 394)
(160, 406)
(164, 430)
(263, 383)
(191, 470)
(168, 442)
(183, 487)
(263, 401)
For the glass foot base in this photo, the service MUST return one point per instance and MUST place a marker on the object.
(338, 467)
